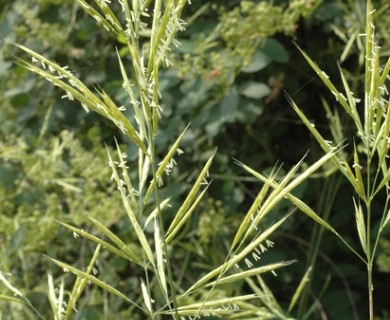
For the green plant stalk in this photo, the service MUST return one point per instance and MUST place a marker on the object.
(370, 47)
(164, 243)
(368, 248)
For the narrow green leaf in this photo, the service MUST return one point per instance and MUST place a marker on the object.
(215, 303)
(154, 213)
(325, 79)
(249, 217)
(118, 118)
(201, 180)
(66, 267)
(266, 297)
(75, 89)
(358, 175)
(159, 257)
(170, 235)
(113, 26)
(385, 180)
(304, 281)
(126, 254)
(131, 215)
(352, 103)
(249, 273)
(147, 299)
(8, 285)
(385, 73)
(284, 188)
(141, 118)
(341, 165)
(80, 284)
(236, 258)
(164, 164)
(12, 299)
(361, 226)
(312, 214)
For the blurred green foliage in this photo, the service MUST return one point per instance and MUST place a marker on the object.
(236, 60)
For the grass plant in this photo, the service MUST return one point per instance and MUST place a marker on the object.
(366, 169)
(148, 29)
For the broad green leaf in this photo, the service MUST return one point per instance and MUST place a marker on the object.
(254, 90)
(259, 61)
(275, 51)
(228, 106)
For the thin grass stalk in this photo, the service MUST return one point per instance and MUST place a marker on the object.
(165, 248)
(368, 99)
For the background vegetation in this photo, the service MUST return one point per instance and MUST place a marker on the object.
(229, 76)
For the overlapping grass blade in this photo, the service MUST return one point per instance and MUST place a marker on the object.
(242, 275)
(171, 235)
(342, 165)
(155, 211)
(110, 24)
(325, 79)
(284, 189)
(121, 250)
(159, 257)
(165, 165)
(191, 197)
(304, 281)
(130, 213)
(361, 226)
(251, 212)
(304, 208)
(214, 307)
(75, 89)
(141, 118)
(272, 199)
(80, 284)
(266, 297)
(237, 257)
(68, 268)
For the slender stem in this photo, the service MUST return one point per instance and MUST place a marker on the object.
(370, 291)
(151, 138)
(369, 263)
(368, 233)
